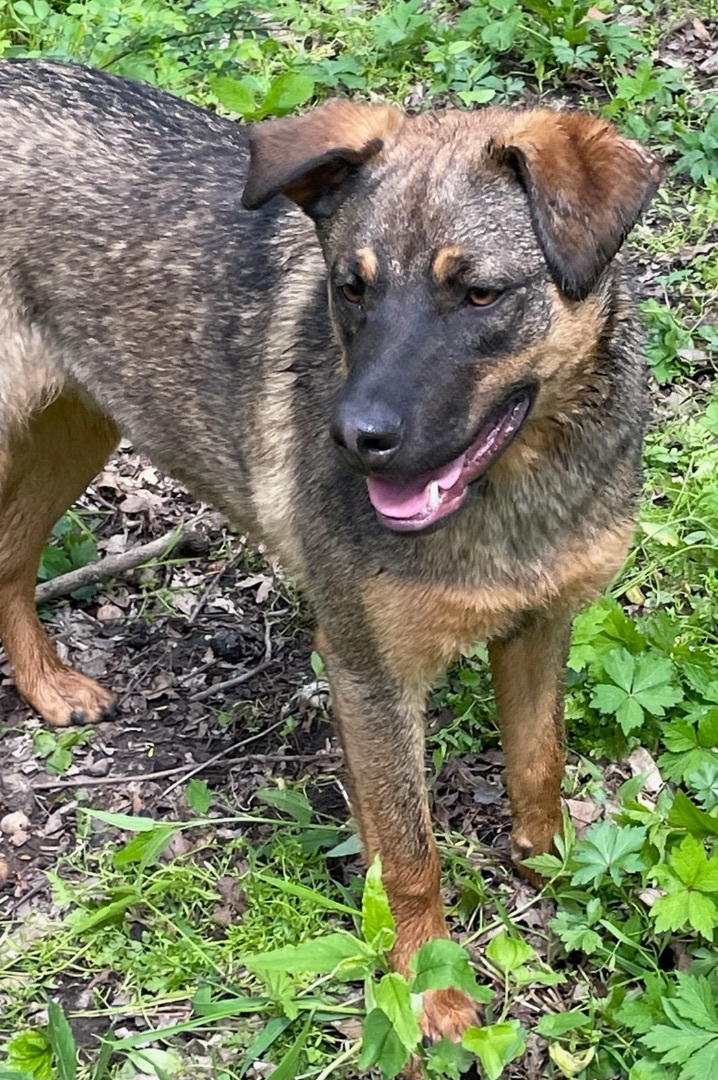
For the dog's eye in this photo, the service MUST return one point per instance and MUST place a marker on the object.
(353, 291)
(483, 297)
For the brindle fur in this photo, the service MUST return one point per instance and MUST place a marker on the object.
(138, 296)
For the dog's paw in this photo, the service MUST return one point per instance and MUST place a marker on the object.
(447, 1014)
(523, 847)
(66, 697)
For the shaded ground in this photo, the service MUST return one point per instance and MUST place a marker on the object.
(162, 638)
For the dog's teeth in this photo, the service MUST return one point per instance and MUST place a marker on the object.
(434, 495)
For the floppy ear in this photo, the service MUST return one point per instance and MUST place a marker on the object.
(587, 187)
(309, 158)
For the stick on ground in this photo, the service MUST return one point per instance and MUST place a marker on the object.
(112, 565)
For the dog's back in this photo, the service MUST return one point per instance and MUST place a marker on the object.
(128, 265)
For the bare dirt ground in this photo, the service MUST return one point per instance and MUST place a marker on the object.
(163, 638)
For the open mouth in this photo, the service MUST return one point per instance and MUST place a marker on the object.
(412, 504)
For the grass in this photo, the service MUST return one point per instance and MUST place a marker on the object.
(619, 976)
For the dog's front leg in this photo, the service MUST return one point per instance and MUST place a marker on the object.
(382, 734)
(528, 676)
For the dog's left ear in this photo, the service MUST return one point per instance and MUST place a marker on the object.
(310, 158)
(587, 186)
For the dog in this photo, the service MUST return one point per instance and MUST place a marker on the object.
(415, 372)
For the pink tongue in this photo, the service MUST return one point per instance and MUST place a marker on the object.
(401, 499)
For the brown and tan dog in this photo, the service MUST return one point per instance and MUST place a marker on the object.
(434, 416)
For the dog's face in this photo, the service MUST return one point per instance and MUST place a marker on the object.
(465, 255)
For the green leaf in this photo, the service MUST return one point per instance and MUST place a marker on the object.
(608, 698)
(687, 815)
(639, 686)
(630, 715)
(83, 552)
(690, 1039)
(500, 34)
(556, 1024)
(235, 95)
(124, 821)
(619, 665)
(262, 1041)
(644, 1011)
(281, 989)
(381, 1046)
(153, 1059)
(288, 1066)
(317, 665)
(495, 1046)
(575, 933)
(508, 953)
(31, 1051)
(62, 1041)
(694, 1002)
(609, 849)
(59, 761)
(289, 801)
(393, 997)
(351, 846)
(682, 908)
(447, 1060)
(646, 1070)
(198, 796)
(286, 92)
(144, 848)
(107, 913)
(688, 875)
(652, 682)
(43, 743)
(318, 956)
(307, 895)
(442, 963)
(690, 862)
(378, 926)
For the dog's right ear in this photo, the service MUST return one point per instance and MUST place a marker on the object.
(309, 158)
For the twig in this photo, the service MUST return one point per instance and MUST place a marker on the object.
(228, 684)
(102, 781)
(223, 753)
(210, 586)
(176, 771)
(111, 565)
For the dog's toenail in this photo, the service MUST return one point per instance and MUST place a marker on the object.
(427, 1041)
(79, 719)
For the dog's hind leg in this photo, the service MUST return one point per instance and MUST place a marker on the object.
(46, 462)
(528, 676)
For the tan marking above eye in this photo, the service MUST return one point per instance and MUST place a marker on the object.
(445, 262)
(483, 297)
(367, 264)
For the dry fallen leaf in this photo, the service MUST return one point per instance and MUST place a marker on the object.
(641, 763)
(583, 812)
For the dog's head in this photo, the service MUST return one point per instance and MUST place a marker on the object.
(468, 258)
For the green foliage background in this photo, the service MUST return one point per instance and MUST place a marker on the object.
(630, 950)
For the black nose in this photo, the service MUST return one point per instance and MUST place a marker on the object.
(371, 436)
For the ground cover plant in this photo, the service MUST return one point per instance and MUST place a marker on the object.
(183, 895)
